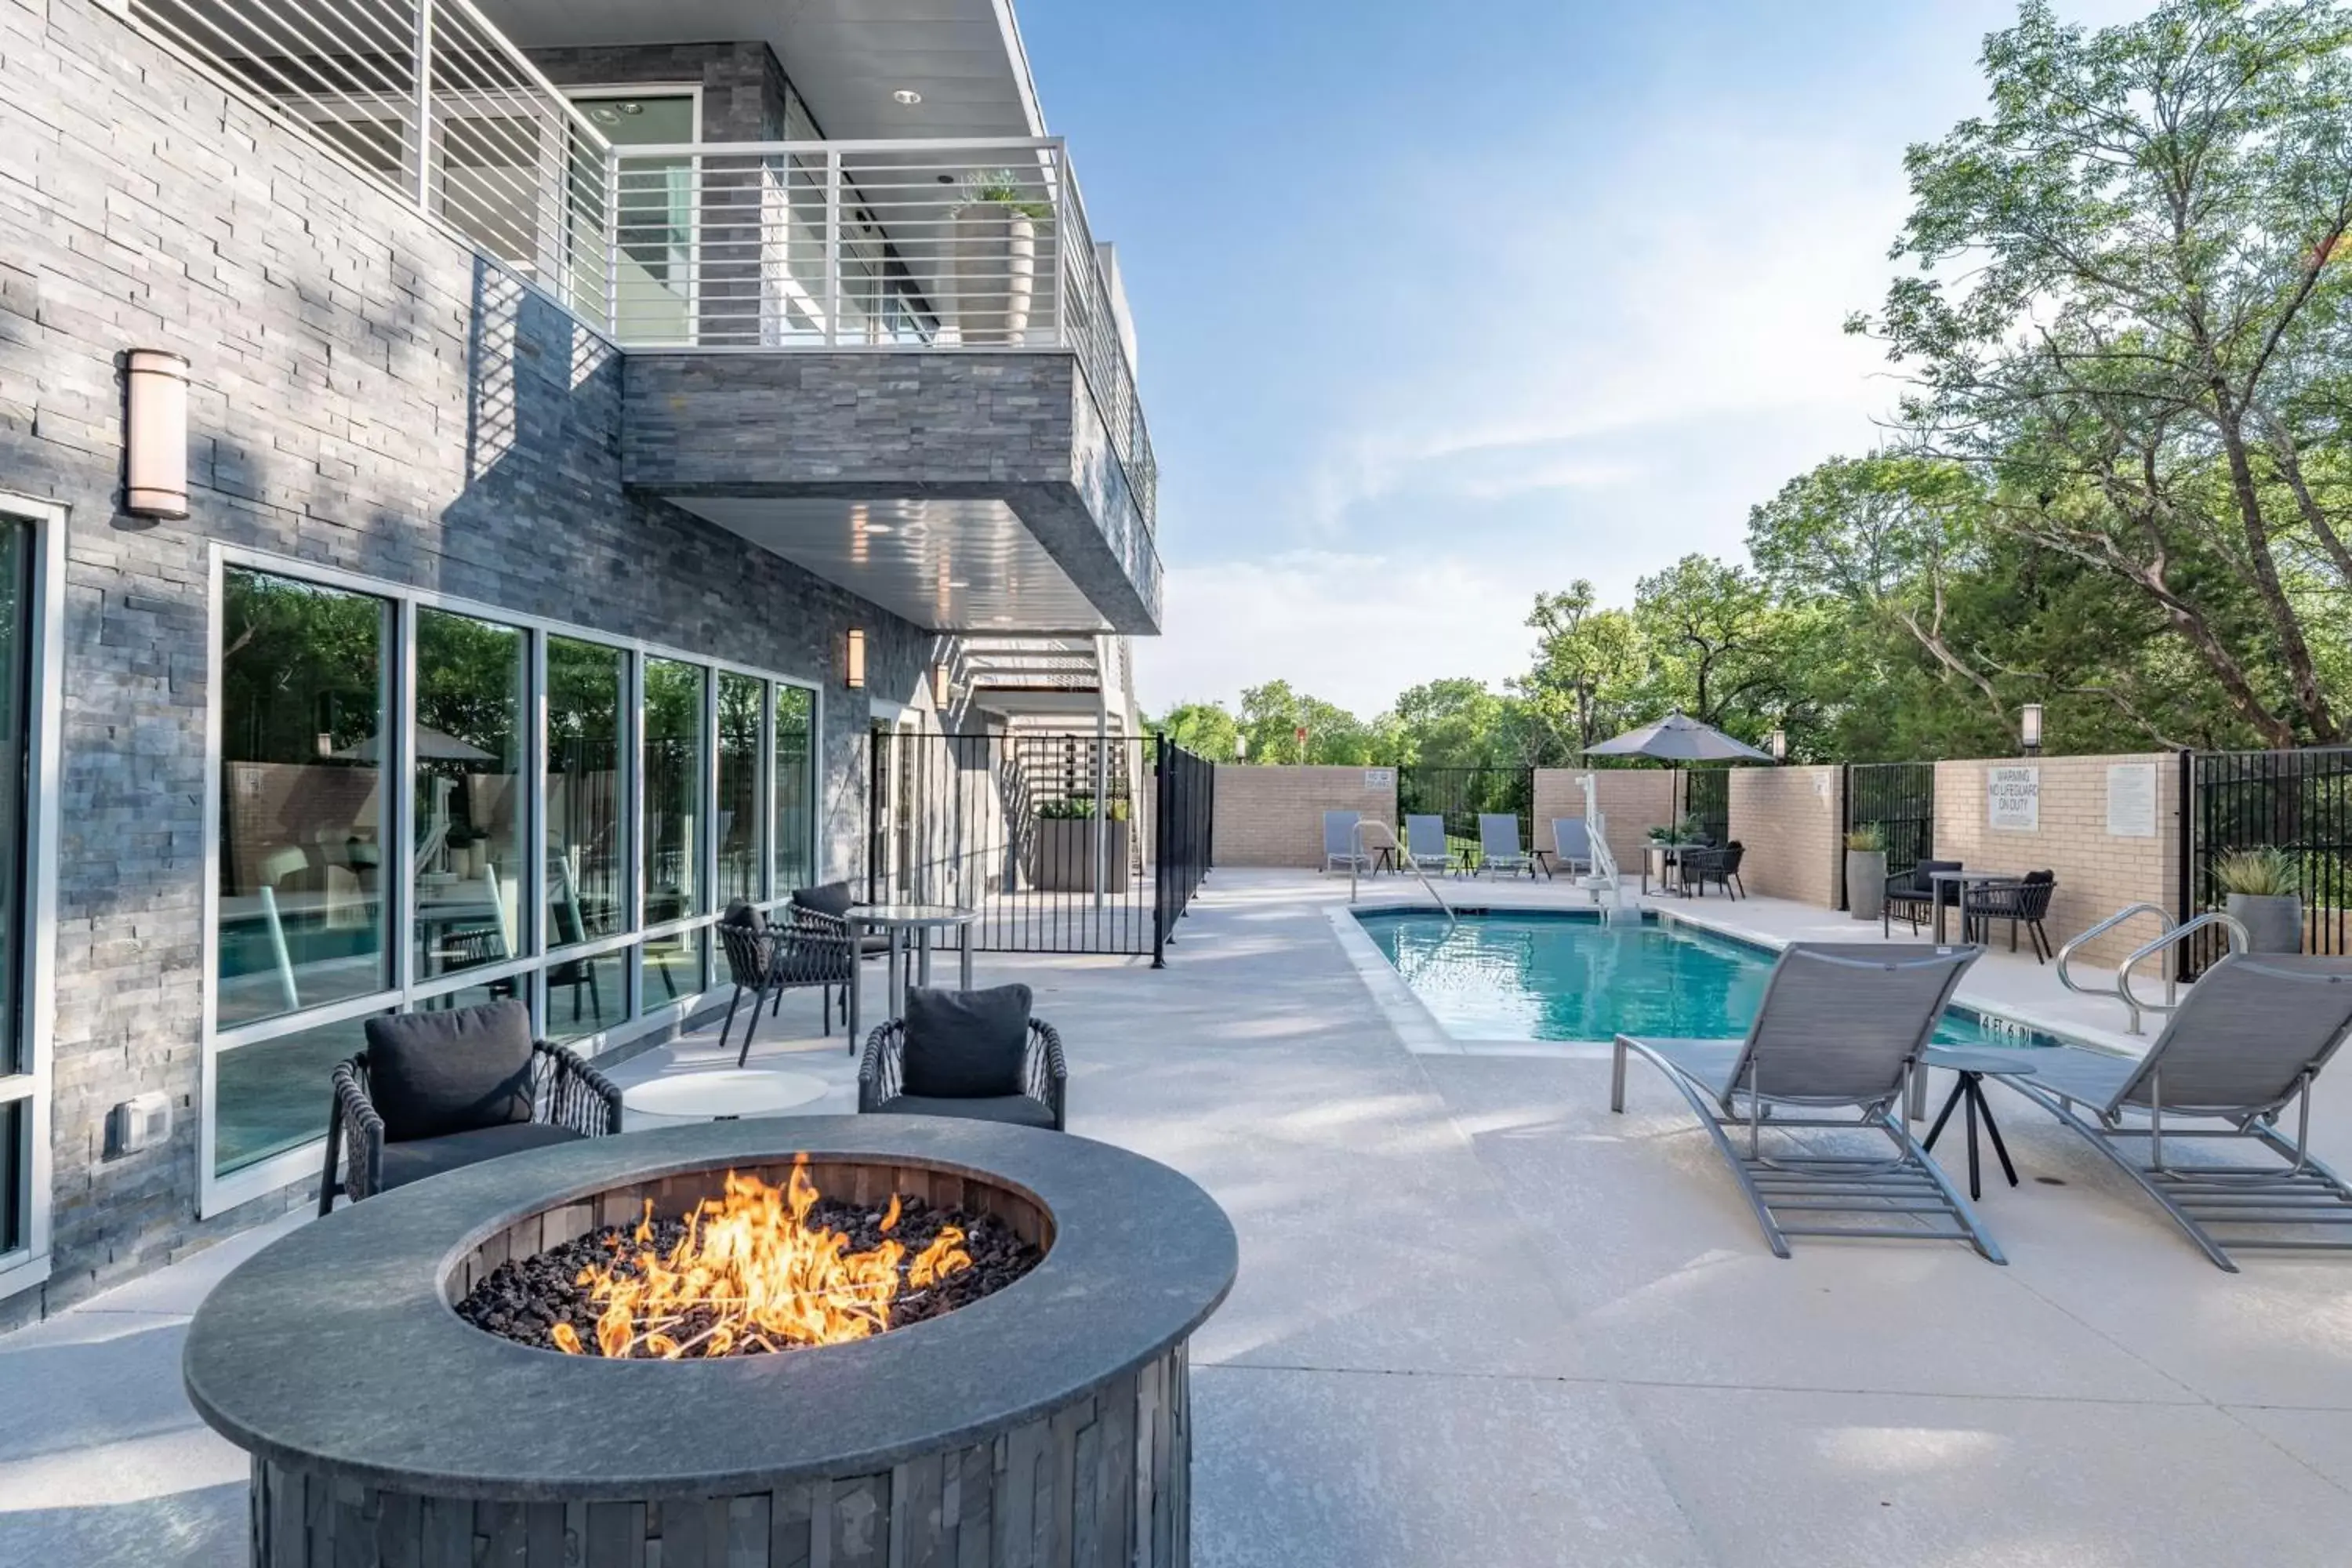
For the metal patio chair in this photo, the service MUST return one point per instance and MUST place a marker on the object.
(1841, 1028)
(2254, 1033)
(2025, 902)
(1426, 847)
(1499, 845)
(1721, 867)
(769, 960)
(1910, 896)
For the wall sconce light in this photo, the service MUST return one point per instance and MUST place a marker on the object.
(1778, 743)
(1241, 748)
(155, 460)
(853, 662)
(2028, 728)
(943, 688)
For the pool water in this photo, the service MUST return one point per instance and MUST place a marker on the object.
(1570, 978)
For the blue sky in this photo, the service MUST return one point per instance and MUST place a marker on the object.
(1441, 304)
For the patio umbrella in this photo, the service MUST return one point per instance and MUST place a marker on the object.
(1677, 738)
(432, 746)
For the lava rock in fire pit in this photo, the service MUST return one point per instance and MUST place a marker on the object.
(525, 1299)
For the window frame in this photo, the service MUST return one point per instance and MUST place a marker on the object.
(28, 1264)
(219, 1192)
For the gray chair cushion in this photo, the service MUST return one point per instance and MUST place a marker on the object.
(421, 1157)
(1013, 1109)
(430, 1074)
(826, 898)
(965, 1044)
(747, 915)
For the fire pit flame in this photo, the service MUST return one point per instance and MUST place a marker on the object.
(749, 1269)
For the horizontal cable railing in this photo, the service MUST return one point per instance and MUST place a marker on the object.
(971, 244)
(429, 97)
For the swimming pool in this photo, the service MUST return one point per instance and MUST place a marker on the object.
(1564, 975)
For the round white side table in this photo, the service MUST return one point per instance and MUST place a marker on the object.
(726, 1095)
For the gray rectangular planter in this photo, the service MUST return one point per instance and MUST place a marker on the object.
(1064, 858)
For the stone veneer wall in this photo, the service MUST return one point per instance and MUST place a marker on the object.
(1634, 800)
(1790, 822)
(1274, 815)
(2098, 872)
(367, 395)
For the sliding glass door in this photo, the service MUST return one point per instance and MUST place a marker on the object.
(17, 618)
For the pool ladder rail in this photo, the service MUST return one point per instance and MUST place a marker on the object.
(1357, 843)
(2166, 944)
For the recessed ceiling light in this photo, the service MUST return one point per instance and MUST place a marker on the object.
(876, 527)
(633, 109)
(907, 96)
(604, 115)
(958, 582)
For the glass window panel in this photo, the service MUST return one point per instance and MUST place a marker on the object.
(15, 771)
(742, 814)
(16, 1157)
(271, 1096)
(517, 989)
(669, 969)
(303, 727)
(586, 995)
(469, 793)
(587, 794)
(673, 764)
(795, 788)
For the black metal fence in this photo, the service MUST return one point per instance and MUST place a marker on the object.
(1707, 802)
(1183, 831)
(1460, 794)
(2299, 801)
(1064, 843)
(1900, 799)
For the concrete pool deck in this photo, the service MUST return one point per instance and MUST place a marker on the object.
(1521, 1329)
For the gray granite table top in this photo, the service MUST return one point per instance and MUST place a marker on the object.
(336, 1349)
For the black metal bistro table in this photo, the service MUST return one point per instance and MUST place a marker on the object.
(1973, 1066)
(1964, 880)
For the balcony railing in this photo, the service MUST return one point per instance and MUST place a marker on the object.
(952, 246)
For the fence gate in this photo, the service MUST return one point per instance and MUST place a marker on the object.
(2299, 801)
(1900, 797)
(1460, 794)
(1064, 843)
(1707, 802)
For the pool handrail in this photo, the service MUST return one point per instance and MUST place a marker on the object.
(1405, 862)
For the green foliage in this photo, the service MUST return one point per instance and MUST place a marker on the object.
(1003, 187)
(1205, 728)
(1870, 838)
(2263, 873)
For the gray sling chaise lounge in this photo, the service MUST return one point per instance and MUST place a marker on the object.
(1841, 1028)
(1499, 845)
(1425, 845)
(1341, 848)
(2252, 1034)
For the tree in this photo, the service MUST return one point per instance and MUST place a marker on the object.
(1204, 728)
(1714, 642)
(2129, 314)
(1274, 714)
(1586, 659)
(1455, 723)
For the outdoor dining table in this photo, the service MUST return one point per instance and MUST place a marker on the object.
(902, 922)
(1964, 881)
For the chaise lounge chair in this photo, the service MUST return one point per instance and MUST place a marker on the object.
(1340, 852)
(1842, 1027)
(1499, 845)
(2250, 1037)
(1425, 846)
(1572, 838)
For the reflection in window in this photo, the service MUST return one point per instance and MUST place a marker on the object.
(742, 828)
(469, 808)
(301, 852)
(669, 969)
(673, 764)
(795, 789)
(14, 1204)
(271, 1096)
(587, 789)
(15, 737)
(586, 995)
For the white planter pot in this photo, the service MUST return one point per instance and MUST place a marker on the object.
(993, 270)
(1866, 882)
(2274, 921)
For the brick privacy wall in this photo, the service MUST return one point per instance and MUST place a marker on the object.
(367, 395)
(1274, 815)
(2097, 874)
(1634, 800)
(1790, 822)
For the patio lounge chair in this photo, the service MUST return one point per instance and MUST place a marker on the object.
(1841, 1028)
(1498, 844)
(434, 1092)
(1340, 848)
(2252, 1034)
(770, 960)
(1425, 845)
(973, 1053)
(1572, 838)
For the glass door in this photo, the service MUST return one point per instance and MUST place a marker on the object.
(16, 603)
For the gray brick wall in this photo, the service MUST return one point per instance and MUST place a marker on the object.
(367, 395)
(743, 89)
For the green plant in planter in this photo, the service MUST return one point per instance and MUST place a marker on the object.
(1870, 838)
(1002, 187)
(1074, 808)
(1120, 810)
(2263, 873)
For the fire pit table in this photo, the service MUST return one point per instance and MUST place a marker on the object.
(1047, 1420)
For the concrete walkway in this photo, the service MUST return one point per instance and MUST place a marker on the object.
(1481, 1320)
